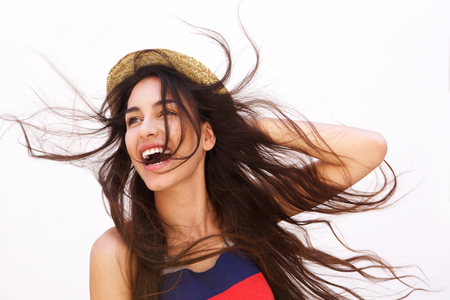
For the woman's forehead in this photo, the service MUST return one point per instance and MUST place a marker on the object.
(147, 93)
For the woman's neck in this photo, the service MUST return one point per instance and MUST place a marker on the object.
(186, 213)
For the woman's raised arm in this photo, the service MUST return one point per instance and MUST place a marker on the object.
(344, 154)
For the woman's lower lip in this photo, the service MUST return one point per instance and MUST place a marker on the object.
(156, 167)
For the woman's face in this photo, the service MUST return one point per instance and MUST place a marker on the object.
(145, 137)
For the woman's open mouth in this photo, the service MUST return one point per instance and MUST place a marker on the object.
(155, 158)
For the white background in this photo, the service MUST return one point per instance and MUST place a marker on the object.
(380, 65)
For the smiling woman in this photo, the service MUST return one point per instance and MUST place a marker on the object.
(146, 140)
(198, 179)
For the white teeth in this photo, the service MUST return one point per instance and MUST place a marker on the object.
(146, 154)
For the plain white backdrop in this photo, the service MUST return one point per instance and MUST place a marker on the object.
(381, 65)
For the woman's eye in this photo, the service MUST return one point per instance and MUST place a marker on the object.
(168, 113)
(132, 120)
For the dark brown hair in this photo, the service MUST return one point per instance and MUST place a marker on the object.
(252, 183)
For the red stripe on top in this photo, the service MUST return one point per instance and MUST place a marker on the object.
(254, 287)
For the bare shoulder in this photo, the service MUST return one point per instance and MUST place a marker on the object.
(110, 249)
(109, 243)
(109, 267)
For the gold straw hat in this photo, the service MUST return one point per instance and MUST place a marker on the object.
(186, 65)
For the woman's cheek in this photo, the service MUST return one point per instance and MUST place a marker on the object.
(130, 145)
(175, 132)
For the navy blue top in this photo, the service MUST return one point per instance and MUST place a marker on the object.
(234, 276)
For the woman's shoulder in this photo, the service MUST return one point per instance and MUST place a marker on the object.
(109, 267)
(109, 242)
(110, 249)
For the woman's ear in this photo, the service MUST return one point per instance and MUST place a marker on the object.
(208, 136)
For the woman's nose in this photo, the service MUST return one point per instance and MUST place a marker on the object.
(149, 128)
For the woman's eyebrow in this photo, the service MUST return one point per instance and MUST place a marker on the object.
(132, 109)
(159, 103)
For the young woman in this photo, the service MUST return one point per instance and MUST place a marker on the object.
(198, 181)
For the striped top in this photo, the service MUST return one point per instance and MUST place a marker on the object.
(234, 276)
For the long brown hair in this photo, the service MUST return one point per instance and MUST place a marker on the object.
(252, 183)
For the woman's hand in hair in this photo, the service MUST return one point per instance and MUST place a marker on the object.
(344, 154)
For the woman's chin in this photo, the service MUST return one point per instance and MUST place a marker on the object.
(156, 186)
